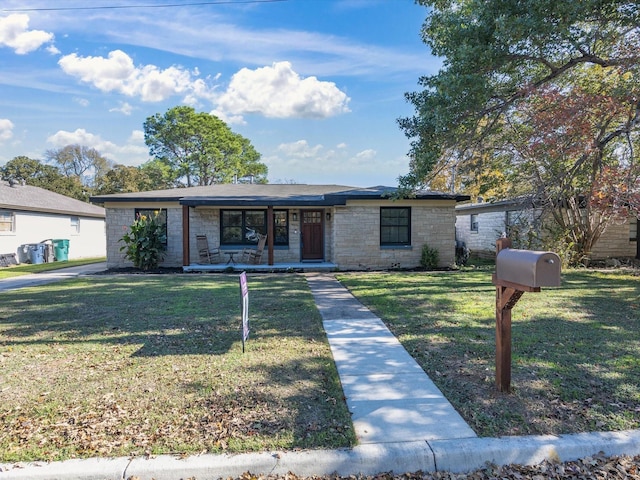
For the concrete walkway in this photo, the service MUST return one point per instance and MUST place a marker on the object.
(403, 422)
(390, 397)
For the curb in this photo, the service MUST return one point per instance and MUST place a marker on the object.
(456, 456)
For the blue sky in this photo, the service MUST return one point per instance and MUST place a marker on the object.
(316, 85)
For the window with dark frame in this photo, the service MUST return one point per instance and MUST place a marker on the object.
(633, 229)
(474, 222)
(162, 218)
(395, 226)
(241, 227)
(7, 221)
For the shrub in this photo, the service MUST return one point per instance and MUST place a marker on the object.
(429, 258)
(144, 243)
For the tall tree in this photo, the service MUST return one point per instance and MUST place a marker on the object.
(544, 91)
(200, 148)
(35, 173)
(84, 163)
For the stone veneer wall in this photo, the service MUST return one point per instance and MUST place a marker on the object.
(120, 219)
(615, 243)
(355, 236)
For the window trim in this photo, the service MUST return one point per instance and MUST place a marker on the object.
(473, 225)
(75, 226)
(386, 244)
(12, 222)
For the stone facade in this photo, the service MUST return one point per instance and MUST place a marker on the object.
(120, 219)
(355, 237)
(351, 234)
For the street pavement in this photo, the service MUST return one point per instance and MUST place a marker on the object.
(402, 421)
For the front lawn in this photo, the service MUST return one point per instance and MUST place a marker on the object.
(576, 348)
(149, 364)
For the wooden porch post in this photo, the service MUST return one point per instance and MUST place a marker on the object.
(270, 234)
(186, 256)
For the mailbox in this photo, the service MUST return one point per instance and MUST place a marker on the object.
(528, 268)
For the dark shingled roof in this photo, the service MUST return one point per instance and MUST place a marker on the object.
(267, 194)
(36, 199)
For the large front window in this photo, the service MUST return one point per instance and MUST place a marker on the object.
(395, 226)
(241, 227)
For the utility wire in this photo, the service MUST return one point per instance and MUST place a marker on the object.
(113, 7)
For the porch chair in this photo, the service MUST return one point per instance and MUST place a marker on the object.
(254, 255)
(206, 254)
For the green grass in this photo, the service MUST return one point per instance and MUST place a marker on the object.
(140, 364)
(576, 348)
(26, 269)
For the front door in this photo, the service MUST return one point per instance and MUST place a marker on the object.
(312, 235)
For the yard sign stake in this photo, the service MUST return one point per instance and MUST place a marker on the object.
(244, 293)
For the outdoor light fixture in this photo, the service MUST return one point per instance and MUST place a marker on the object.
(328, 216)
(295, 216)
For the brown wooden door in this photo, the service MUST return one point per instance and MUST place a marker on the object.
(312, 235)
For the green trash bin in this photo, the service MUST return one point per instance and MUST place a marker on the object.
(61, 249)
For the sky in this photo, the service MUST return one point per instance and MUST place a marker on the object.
(317, 86)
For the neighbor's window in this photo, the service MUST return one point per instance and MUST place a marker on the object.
(474, 222)
(75, 225)
(241, 227)
(7, 221)
(633, 229)
(395, 226)
(162, 218)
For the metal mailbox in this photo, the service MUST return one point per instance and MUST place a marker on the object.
(528, 268)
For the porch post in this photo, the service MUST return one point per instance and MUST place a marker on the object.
(185, 236)
(270, 233)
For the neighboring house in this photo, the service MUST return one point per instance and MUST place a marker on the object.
(346, 227)
(30, 215)
(479, 225)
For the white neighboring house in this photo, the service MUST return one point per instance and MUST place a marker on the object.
(479, 225)
(31, 215)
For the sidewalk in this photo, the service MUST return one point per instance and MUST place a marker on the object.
(402, 421)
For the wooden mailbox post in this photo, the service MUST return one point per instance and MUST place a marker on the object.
(517, 271)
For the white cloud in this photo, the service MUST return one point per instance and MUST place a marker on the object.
(278, 91)
(83, 102)
(117, 73)
(228, 119)
(15, 33)
(133, 152)
(316, 164)
(367, 154)
(6, 129)
(299, 149)
(124, 108)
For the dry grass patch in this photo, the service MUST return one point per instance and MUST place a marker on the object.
(126, 365)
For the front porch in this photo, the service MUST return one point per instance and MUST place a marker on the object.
(246, 267)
